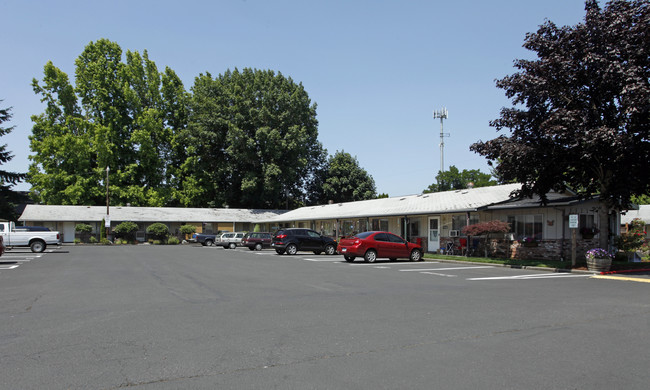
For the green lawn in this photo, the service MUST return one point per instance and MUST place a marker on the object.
(580, 264)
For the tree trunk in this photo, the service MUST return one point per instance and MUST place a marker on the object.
(603, 223)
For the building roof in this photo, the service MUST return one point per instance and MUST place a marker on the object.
(143, 214)
(642, 213)
(434, 203)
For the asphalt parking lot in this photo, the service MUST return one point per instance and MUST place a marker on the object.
(170, 317)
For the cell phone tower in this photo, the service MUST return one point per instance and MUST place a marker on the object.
(442, 114)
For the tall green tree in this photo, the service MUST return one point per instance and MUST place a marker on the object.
(581, 109)
(252, 141)
(453, 179)
(342, 179)
(121, 115)
(8, 198)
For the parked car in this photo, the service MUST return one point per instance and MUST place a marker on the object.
(205, 239)
(256, 240)
(231, 240)
(293, 240)
(37, 241)
(374, 245)
(31, 229)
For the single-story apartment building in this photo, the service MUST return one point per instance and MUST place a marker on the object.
(433, 219)
(436, 219)
(207, 220)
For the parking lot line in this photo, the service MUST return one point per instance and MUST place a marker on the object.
(8, 266)
(437, 274)
(445, 269)
(533, 276)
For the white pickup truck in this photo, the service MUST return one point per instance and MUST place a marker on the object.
(37, 240)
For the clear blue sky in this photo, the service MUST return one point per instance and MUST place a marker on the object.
(377, 69)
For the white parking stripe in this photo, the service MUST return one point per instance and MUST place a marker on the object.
(444, 269)
(437, 274)
(8, 266)
(535, 276)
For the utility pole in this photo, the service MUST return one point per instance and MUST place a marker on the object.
(108, 217)
(442, 114)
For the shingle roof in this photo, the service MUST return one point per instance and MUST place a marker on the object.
(143, 214)
(434, 203)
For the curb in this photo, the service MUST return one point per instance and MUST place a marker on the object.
(547, 269)
(624, 271)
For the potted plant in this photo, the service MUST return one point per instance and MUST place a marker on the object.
(599, 260)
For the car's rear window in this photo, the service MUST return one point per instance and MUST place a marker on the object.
(363, 235)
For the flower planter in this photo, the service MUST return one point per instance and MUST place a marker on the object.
(599, 264)
(587, 236)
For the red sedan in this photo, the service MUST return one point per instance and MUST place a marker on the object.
(374, 245)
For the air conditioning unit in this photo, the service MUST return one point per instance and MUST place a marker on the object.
(454, 233)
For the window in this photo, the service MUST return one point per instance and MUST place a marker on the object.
(526, 226)
(380, 224)
(413, 227)
(459, 221)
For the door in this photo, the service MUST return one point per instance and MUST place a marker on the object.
(68, 231)
(434, 234)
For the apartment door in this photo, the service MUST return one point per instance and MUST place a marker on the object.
(434, 234)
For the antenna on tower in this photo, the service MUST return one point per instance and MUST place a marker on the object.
(442, 114)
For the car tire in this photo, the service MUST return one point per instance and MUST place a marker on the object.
(292, 249)
(349, 259)
(317, 252)
(330, 250)
(209, 242)
(258, 247)
(232, 245)
(37, 246)
(416, 255)
(279, 251)
(251, 248)
(370, 256)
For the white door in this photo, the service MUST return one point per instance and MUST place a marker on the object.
(434, 234)
(68, 231)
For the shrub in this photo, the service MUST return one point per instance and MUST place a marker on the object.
(92, 240)
(634, 238)
(102, 231)
(187, 229)
(126, 231)
(159, 231)
(77, 241)
(173, 241)
(84, 231)
(104, 241)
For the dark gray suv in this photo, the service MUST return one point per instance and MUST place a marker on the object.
(290, 241)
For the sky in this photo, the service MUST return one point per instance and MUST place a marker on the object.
(377, 69)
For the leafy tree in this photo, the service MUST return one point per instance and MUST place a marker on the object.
(8, 198)
(341, 179)
(581, 109)
(251, 141)
(452, 179)
(122, 115)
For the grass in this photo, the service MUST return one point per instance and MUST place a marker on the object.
(580, 264)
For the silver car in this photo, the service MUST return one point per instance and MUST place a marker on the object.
(231, 240)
